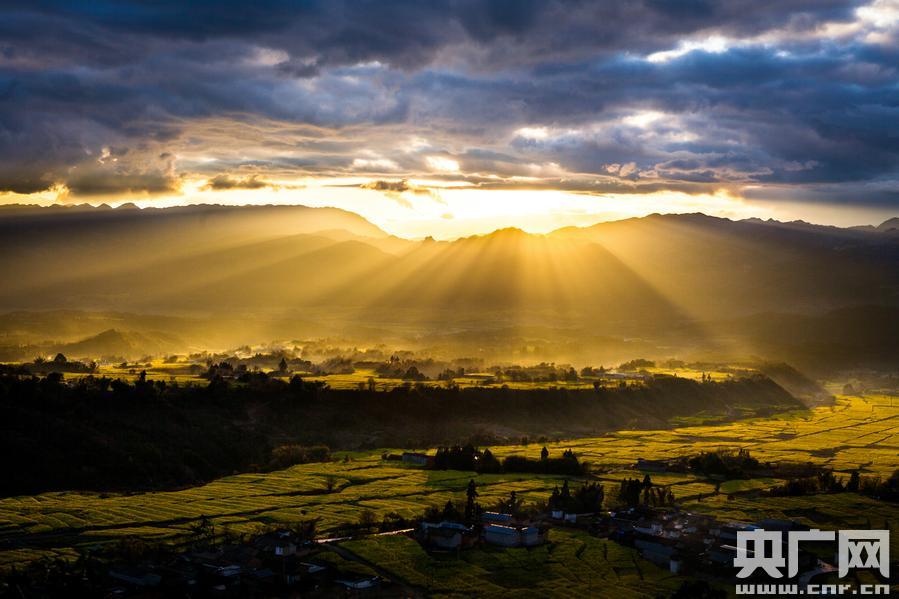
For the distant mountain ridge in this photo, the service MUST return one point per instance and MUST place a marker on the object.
(657, 268)
(238, 275)
(112, 342)
(295, 218)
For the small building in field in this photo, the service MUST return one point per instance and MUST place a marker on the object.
(568, 517)
(514, 536)
(296, 572)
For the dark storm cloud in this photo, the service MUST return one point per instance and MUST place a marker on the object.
(92, 94)
(409, 33)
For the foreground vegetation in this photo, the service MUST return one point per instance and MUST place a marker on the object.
(104, 434)
(575, 564)
(855, 433)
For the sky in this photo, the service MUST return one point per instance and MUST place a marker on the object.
(453, 117)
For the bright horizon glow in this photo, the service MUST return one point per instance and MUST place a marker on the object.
(445, 210)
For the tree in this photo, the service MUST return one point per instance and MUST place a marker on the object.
(565, 495)
(544, 454)
(450, 512)
(306, 529)
(282, 365)
(629, 492)
(471, 506)
(413, 374)
(60, 359)
(488, 463)
(513, 505)
(367, 520)
(554, 499)
(203, 531)
(591, 497)
(854, 482)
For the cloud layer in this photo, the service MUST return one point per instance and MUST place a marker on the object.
(774, 100)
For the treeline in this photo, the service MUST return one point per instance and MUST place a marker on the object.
(828, 482)
(633, 492)
(484, 462)
(587, 498)
(97, 433)
(725, 463)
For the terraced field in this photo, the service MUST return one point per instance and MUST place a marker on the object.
(573, 565)
(855, 432)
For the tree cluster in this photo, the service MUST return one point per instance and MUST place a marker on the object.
(633, 492)
(725, 462)
(468, 457)
(588, 498)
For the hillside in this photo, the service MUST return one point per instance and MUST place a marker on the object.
(224, 276)
(210, 259)
(102, 435)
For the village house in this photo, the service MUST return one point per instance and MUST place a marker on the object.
(447, 535)
(309, 574)
(496, 518)
(514, 536)
(571, 517)
(279, 543)
(623, 522)
(658, 550)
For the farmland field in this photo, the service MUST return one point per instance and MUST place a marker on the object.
(191, 373)
(855, 432)
(575, 564)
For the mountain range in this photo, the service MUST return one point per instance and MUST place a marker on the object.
(302, 271)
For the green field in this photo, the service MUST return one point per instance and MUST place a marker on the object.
(855, 432)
